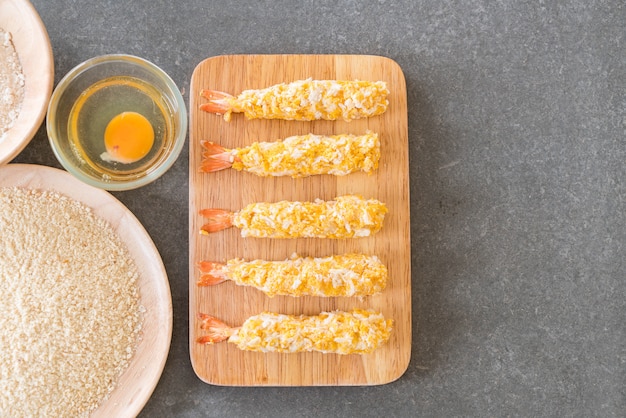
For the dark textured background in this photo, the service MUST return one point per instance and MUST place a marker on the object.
(517, 123)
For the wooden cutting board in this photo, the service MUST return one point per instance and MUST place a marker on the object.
(224, 363)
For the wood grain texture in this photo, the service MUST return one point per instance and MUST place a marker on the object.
(137, 382)
(224, 363)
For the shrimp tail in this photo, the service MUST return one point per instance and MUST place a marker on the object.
(217, 101)
(212, 273)
(216, 157)
(218, 219)
(217, 331)
(206, 339)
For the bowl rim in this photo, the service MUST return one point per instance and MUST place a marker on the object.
(38, 47)
(137, 383)
(179, 142)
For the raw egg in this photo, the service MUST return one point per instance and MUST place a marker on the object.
(128, 138)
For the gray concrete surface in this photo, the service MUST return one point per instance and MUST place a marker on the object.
(517, 123)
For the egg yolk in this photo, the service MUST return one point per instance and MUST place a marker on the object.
(128, 137)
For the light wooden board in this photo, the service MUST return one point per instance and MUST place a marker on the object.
(224, 363)
(137, 382)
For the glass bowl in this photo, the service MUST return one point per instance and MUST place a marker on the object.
(91, 96)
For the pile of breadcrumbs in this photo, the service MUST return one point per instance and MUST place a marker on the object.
(11, 83)
(69, 313)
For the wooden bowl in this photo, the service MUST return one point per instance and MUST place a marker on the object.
(136, 384)
(31, 42)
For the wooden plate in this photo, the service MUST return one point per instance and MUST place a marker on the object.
(30, 39)
(224, 363)
(137, 383)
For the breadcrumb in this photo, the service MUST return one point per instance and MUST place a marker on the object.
(70, 315)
